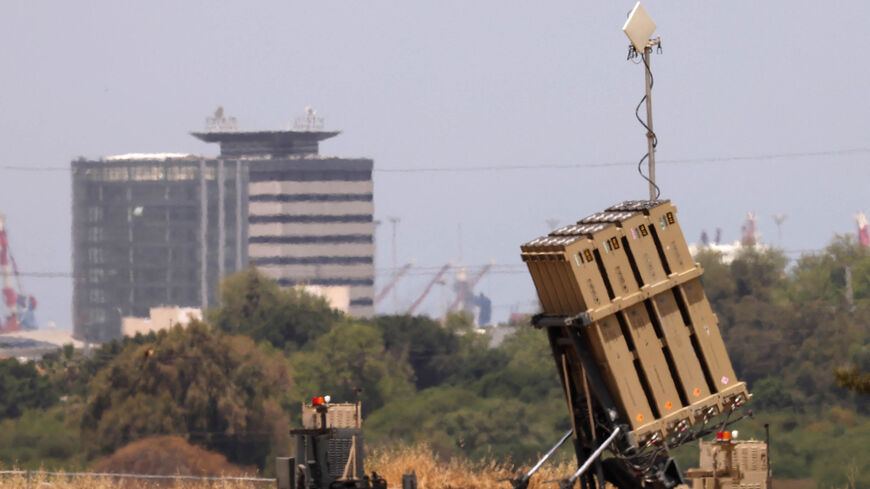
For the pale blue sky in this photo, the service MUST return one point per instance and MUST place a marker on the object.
(451, 85)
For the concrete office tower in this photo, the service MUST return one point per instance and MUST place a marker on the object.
(152, 230)
(310, 216)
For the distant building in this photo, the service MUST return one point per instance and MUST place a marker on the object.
(151, 230)
(155, 230)
(34, 344)
(159, 318)
(337, 296)
(310, 217)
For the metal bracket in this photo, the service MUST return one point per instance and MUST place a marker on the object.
(542, 321)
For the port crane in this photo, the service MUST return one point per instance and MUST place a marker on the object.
(19, 306)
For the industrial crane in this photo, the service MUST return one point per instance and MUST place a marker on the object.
(386, 290)
(466, 288)
(428, 288)
(19, 306)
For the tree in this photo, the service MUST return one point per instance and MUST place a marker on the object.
(822, 276)
(256, 306)
(70, 370)
(351, 359)
(529, 373)
(219, 390)
(167, 455)
(41, 439)
(853, 380)
(456, 421)
(428, 347)
(23, 387)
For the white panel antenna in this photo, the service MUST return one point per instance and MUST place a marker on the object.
(639, 27)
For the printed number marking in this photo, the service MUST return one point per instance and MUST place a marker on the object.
(670, 216)
(643, 231)
(588, 255)
(614, 243)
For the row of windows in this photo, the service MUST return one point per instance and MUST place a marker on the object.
(310, 176)
(314, 260)
(327, 239)
(327, 282)
(288, 218)
(311, 198)
(145, 173)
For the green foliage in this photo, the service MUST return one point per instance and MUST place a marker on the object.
(786, 330)
(822, 276)
(219, 390)
(428, 347)
(529, 375)
(40, 439)
(350, 359)
(770, 393)
(23, 387)
(853, 379)
(70, 370)
(254, 305)
(456, 421)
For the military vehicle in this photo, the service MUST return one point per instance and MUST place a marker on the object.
(635, 342)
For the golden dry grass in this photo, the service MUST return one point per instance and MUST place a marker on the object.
(391, 464)
(38, 480)
(432, 473)
(456, 473)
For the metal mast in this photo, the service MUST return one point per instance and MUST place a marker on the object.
(639, 28)
(650, 134)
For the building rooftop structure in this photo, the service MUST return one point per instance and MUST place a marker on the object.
(270, 144)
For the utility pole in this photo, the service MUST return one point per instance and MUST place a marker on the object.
(394, 221)
(779, 219)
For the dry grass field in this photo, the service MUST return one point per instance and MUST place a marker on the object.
(432, 473)
(456, 473)
(390, 464)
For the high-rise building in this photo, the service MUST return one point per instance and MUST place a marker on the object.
(151, 230)
(154, 230)
(310, 217)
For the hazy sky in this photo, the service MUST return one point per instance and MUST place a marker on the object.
(448, 84)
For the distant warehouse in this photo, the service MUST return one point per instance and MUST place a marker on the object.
(155, 230)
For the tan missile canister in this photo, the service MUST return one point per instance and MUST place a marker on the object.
(609, 345)
(663, 219)
(612, 259)
(628, 274)
(669, 405)
(705, 328)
